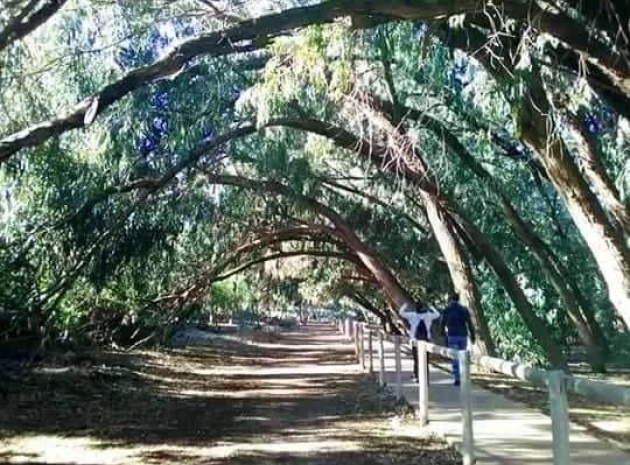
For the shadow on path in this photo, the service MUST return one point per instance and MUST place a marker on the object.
(298, 398)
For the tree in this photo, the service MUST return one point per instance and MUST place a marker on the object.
(386, 165)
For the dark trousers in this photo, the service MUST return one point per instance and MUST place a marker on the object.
(414, 355)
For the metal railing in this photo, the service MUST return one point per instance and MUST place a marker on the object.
(557, 382)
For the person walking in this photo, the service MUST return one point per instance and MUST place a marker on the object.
(457, 326)
(418, 321)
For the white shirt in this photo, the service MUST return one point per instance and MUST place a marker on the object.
(414, 319)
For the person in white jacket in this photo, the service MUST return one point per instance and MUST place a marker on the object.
(418, 320)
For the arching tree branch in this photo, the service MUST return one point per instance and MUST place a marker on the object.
(30, 17)
(279, 255)
(251, 34)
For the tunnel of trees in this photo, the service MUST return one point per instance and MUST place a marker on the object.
(161, 161)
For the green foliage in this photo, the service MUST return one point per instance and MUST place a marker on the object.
(86, 257)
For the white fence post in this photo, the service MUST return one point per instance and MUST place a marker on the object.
(559, 408)
(371, 354)
(347, 328)
(355, 335)
(398, 367)
(362, 345)
(381, 358)
(468, 447)
(423, 383)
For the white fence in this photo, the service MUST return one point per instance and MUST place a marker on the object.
(557, 383)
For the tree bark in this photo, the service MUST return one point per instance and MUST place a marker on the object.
(536, 325)
(538, 130)
(608, 63)
(384, 316)
(611, 16)
(29, 18)
(575, 304)
(375, 154)
(257, 32)
(247, 35)
(595, 172)
(458, 264)
(604, 239)
(408, 170)
(396, 294)
(279, 255)
(460, 271)
(439, 209)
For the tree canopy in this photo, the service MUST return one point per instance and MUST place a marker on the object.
(164, 161)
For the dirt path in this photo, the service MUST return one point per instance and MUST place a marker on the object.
(298, 399)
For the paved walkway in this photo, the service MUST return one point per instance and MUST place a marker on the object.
(505, 432)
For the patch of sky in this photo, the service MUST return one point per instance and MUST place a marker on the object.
(419, 30)
(591, 123)
(159, 100)
(137, 53)
(159, 127)
(208, 134)
(235, 92)
(461, 75)
(214, 151)
(159, 41)
(73, 30)
(602, 119)
(85, 34)
(148, 145)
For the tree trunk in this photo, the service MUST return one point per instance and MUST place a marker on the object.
(256, 33)
(460, 271)
(606, 243)
(595, 172)
(534, 323)
(604, 239)
(414, 168)
(383, 315)
(392, 288)
(575, 303)
(32, 16)
(249, 35)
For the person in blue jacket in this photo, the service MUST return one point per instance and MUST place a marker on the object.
(457, 326)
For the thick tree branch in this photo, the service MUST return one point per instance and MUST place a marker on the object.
(375, 200)
(396, 294)
(29, 18)
(246, 35)
(575, 303)
(341, 137)
(280, 255)
(595, 172)
(297, 233)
